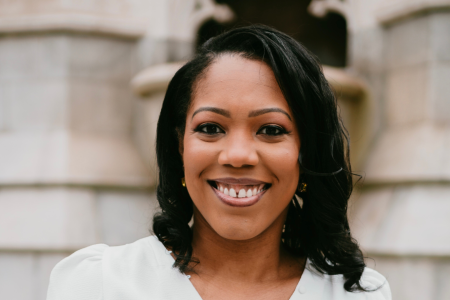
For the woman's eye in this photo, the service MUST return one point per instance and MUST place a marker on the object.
(272, 130)
(210, 129)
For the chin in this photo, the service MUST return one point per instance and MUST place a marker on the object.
(237, 232)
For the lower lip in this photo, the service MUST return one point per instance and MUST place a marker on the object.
(238, 202)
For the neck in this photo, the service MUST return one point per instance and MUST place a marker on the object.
(257, 259)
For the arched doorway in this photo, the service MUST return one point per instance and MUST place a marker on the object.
(326, 37)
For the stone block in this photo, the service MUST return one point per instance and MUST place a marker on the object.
(106, 161)
(409, 278)
(146, 120)
(125, 217)
(367, 213)
(440, 90)
(47, 218)
(3, 112)
(33, 158)
(100, 58)
(442, 279)
(365, 55)
(44, 262)
(69, 158)
(406, 95)
(414, 223)
(33, 104)
(17, 280)
(413, 153)
(440, 35)
(99, 107)
(408, 43)
(33, 56)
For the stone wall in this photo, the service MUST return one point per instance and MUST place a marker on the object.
(76, 147)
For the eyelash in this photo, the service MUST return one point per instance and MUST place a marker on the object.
(201, 128)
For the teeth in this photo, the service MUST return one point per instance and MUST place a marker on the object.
(238, 192)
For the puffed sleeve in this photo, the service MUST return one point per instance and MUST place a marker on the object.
(79, 276)
(372, 280)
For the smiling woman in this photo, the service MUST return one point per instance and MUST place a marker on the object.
(249, 145)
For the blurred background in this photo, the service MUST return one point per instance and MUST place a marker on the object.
(81, 86)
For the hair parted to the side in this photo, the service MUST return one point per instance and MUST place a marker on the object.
(319, 228)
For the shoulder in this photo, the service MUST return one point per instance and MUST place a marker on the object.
(78, 276)
(83, 274)
(372, 280)
(331, 287)
(375, 283)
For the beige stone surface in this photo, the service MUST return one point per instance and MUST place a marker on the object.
(390, 11)
(42, 267)
(404, 220)
(440, 91)
(408, 43)
(47, 218)
(70, 158)
(25, 275)
(124, 216)
(169, 19)
(146, 121)
(440, 39)
(34, 105)
(367, 213)
(416, 153)
(154, 79)
(100, 108)
(28, 56)
(407, 91)
(17, 280)
(414, 278)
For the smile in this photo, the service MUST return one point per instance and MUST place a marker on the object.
(239, 192)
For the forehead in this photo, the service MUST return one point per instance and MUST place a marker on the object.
(234, 80)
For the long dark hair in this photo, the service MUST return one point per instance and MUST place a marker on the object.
(317, 229)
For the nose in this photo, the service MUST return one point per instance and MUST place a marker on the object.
(239, 151)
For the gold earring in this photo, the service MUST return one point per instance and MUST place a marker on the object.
(302, 187)
(183, 182)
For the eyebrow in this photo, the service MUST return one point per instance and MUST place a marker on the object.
(253, 113)
(258, 112)
(216, 110)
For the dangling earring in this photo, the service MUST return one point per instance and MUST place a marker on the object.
(183, 182)
(302, 187)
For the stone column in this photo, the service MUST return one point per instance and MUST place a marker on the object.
(74, 170)
(401, 218)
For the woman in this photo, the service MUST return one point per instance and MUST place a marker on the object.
(250, 146)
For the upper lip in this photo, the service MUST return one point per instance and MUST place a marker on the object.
(242, 181)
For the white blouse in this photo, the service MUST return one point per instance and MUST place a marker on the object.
(143, 270)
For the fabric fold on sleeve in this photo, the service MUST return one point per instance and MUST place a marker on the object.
(372, 280)
(78, 276)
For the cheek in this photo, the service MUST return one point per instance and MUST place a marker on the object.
(282, 162)
(197, 155)
(198, 158)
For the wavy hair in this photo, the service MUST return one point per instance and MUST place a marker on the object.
(317, 229)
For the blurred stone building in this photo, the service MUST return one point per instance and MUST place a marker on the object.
(82, 81)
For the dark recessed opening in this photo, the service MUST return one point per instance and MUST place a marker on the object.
(327, 37)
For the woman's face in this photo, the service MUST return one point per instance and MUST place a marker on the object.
(240, 148)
